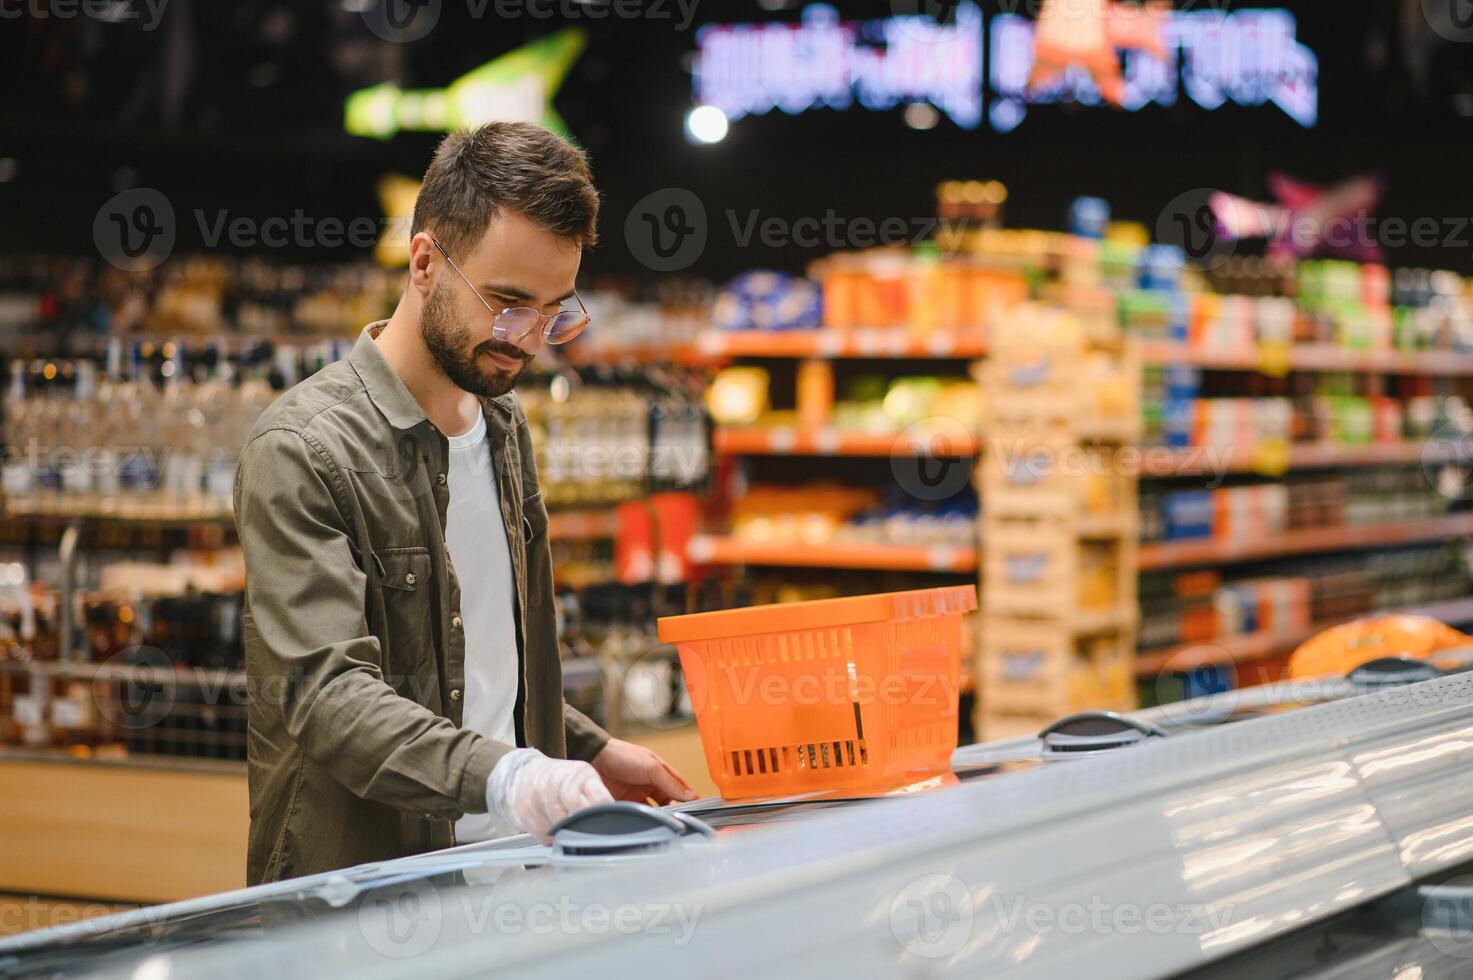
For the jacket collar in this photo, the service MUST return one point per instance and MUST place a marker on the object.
(389, 396)
(385, 390)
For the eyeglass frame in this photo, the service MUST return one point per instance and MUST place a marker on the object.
(496, 316)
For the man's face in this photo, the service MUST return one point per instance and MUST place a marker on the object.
(515, 264)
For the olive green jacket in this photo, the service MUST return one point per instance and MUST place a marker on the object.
(354, 647)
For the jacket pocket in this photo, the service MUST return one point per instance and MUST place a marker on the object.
(403, 576)
(534, 517)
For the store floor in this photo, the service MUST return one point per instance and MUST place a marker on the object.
(74, 829)
(22, 913)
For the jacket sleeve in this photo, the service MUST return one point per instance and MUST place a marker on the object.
(585, 739)
(312, 657)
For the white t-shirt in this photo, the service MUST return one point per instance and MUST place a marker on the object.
(476, 536)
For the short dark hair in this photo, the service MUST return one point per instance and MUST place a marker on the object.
(515, 166)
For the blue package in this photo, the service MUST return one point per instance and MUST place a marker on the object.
(1187, 515)
(1089, 217)
(1176, 422)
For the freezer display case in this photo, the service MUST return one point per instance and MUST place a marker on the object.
(1234, 831)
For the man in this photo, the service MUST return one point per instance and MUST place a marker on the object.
(399, 627)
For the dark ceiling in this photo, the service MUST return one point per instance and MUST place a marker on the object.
(237, 107)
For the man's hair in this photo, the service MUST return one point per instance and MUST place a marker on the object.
(506, 166)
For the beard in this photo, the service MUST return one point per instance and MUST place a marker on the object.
(448, 340)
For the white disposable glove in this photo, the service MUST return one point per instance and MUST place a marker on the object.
(533, 792)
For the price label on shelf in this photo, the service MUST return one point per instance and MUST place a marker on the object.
(781, 440)
(27, 710)
(830, 343)
(940, 344)
(941, 556)
(826, 441)
(70, 712)
(1273, 358)
(711, 344)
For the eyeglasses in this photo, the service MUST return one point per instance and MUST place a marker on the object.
(517, 322)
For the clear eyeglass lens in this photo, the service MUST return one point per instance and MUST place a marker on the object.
(565, 326)
(517, 322)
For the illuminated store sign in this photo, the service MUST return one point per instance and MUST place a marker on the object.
(1246, 57)
(1249, 57)
(516, 87)
(825, 62)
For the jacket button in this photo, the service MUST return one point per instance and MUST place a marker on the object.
(440, 479)
(456, 622)
(455, 694)
(410, 578)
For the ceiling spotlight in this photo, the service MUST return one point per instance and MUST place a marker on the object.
(706, 124)
(921, 115)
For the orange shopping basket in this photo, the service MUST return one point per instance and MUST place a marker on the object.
(856, 693)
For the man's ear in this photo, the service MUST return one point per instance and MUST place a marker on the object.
(423, 257)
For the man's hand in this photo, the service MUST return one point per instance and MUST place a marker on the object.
(632, 772)
(534, 792)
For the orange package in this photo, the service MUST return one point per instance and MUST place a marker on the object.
(1341, 649)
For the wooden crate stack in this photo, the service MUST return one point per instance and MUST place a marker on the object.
(1060, 521)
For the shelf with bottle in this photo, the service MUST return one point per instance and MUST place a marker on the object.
(782, 440)
(873, 415)
(138, 433)
(1347, 537)
(1163, 461)
(825, 524)
(726, 550)
(605, 434)
(896, 343)
(1246, 649)
(1276, 360)
(1277, 315)
(55, 302)
(1264, 511)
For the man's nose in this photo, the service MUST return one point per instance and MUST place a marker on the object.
(531, 344)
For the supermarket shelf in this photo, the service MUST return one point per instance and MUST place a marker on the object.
(1204, 461)
(1308, 357)
(1171, 554)
(571, 525)
(782, 440)
(582, 525)
(641, 354)
(724, 550)
(1249, 647)
(888, 342)
(214, 678)
(131, 511)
